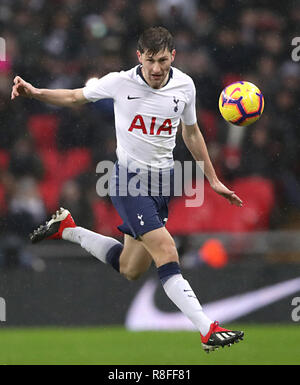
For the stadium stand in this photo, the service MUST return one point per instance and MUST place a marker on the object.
(262, 167)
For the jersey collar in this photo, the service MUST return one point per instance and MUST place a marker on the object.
(139, 73)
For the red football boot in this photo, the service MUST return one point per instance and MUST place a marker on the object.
(217, 337)
(54, 228)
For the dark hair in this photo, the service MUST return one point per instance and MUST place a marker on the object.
(155, 39)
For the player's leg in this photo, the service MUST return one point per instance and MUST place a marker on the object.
(131, 259)
(162, 248)
(62, 226)
(134, 259)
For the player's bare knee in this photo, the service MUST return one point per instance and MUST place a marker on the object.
(167, 252)
(131, 275)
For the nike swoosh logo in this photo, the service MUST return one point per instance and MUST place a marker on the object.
(133, 97)
(144, 315)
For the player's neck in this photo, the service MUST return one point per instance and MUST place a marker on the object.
(164, 82)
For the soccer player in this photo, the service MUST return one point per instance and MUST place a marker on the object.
(150, 100)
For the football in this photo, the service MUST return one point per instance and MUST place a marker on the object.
(241, 103)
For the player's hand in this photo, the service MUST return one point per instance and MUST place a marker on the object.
(21, 88)
(222, 190)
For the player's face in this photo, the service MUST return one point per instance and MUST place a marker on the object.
(156, 68)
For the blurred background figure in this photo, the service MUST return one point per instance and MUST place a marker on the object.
(25, 210)
(73, 198)
(24, 160)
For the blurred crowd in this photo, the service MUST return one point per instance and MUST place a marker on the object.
(63, 43)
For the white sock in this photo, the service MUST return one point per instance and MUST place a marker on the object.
(181, 293)
(96, 244)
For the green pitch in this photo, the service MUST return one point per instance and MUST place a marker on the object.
(266, 344)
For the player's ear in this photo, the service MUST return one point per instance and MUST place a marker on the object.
(173, 53)
(139, 55)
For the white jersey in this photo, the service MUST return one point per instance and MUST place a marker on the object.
(146, 119)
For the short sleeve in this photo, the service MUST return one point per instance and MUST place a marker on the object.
(189, 116)
(103, 88)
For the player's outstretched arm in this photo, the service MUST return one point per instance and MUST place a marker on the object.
(195, 143)
(62, 98)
